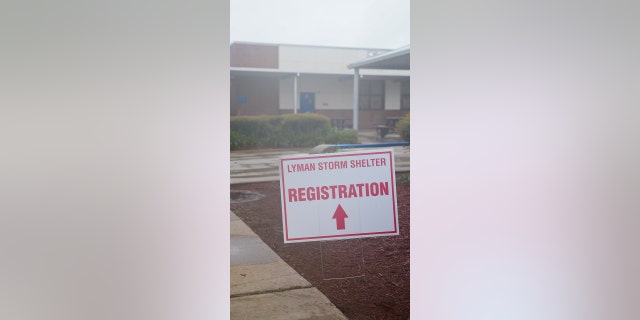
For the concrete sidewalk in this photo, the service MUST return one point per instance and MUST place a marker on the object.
(263, 286)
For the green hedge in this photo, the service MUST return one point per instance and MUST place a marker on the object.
(253, 131)
(403, 128)
(288, 131)
(342, 136)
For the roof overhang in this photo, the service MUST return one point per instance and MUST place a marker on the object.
(252, 72)
(398, 59)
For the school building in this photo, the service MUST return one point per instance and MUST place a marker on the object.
(282, 78)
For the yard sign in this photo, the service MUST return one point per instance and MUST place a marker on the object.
(338, 196)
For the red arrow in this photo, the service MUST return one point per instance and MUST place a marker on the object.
(340, 215)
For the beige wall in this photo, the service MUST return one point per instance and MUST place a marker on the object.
(392, 95)
(319, 59)
(332, 93)
(286, 94)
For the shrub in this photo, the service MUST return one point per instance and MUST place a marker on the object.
(290, 130)
(404, 177)
(403, 128)
(239, 140)
(304, 130)
(251, 131)
(337, 136)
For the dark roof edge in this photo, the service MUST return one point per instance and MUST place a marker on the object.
(387, 55)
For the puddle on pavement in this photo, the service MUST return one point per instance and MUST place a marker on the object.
(240, 196)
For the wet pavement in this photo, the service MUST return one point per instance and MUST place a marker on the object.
(263, 286)
(240, 196)
(263, 165)
(259, 165)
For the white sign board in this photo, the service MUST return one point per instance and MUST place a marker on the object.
(338, 196)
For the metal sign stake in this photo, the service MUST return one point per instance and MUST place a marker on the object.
(363, 275)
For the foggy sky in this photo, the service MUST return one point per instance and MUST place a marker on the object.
(351, 23)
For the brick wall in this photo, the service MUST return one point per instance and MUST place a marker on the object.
(254, 55)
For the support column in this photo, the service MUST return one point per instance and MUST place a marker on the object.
(295, 93)
(356, 93)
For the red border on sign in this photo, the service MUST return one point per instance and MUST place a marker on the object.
(393, 197)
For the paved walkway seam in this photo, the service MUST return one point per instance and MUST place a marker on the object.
(255, 293)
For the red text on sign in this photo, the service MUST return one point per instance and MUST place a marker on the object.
(338, 191)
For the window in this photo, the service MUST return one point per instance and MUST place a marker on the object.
(371, 95)
(405, 94)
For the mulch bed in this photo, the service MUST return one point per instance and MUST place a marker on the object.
(366, 278)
